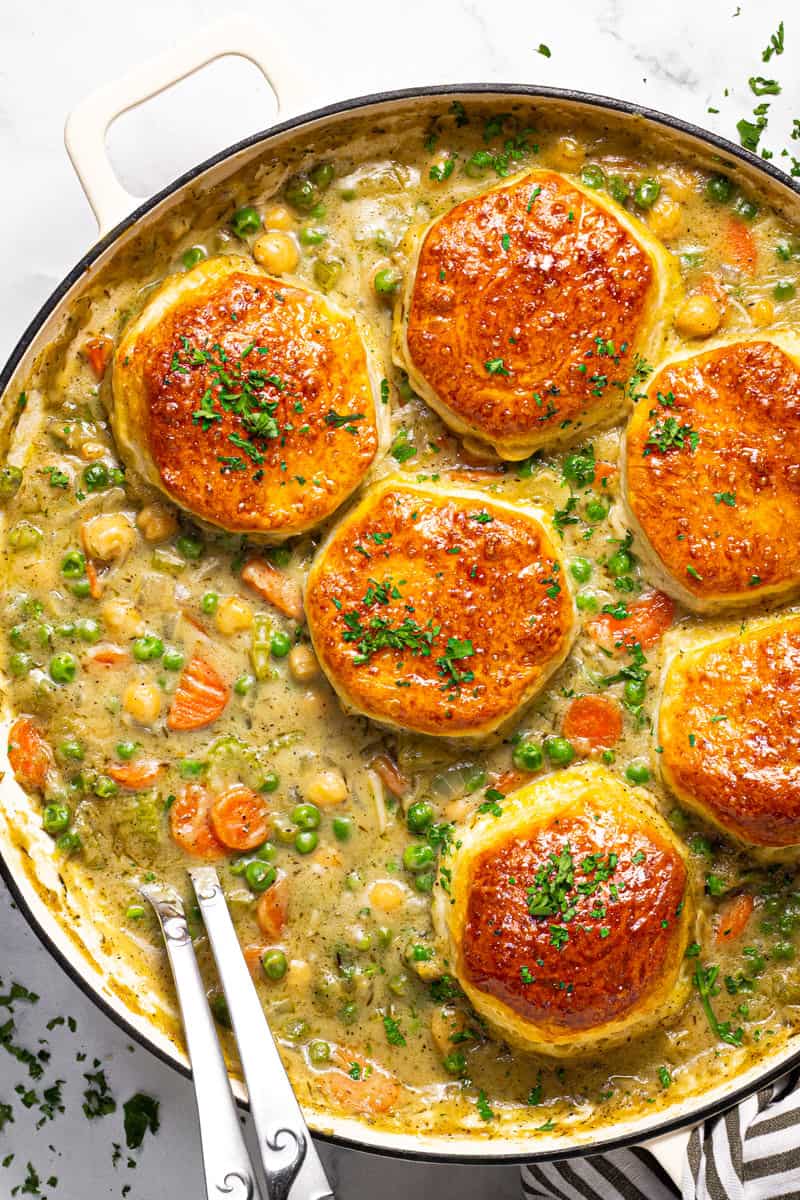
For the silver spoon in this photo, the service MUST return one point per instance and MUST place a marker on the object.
(288, 1155)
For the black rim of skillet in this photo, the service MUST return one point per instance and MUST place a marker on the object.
(604, 103)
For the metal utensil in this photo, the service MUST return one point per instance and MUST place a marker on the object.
(288, 1155)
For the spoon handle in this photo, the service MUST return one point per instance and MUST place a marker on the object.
(290, 1159)
(226, 1163)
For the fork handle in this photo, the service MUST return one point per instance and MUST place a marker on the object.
(226, 1163)
(289, 1157)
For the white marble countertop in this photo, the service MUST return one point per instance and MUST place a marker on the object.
(679, 58)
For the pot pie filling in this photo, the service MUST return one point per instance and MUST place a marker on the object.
(302, 579)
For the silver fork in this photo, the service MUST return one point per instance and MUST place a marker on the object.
(288, 1155)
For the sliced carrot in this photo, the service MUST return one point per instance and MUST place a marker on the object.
(194, 622)
(389, 774)
(709, 285)
(189, 823)
(28, 753)
(740, 244)
(200, 697)
(240, 818)
(135, 776)
(594, 719)
(272, 910)
(95, 582)
(106, 655)
(734, 914)
(360, 1086)
(98, 353)
(275, 587)
(604, 474)
(509, 781)
(648, 618)
(252, 956)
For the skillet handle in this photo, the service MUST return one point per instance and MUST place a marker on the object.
(670, 1152)
(87, 125)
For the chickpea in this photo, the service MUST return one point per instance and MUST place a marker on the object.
(762, 312)
(121, 618)
(142, 700)
(278, 217)
(665, 217)
(91, 451)
(386, 896)
(698, 316)
(568, 153)
(109, 537)
(233, 615)
(276, 252)
(303, 663)
(326, 788)
(156, 523)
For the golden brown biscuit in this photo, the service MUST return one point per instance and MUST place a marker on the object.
(712, 472)
(525, 308)
(729, 728)
(438, 610)
(248, 400)
(568, 916)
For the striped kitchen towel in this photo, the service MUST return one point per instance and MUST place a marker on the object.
(751, 1152)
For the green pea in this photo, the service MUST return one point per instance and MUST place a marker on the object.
(24, 536)
(116, 476)
(527, 755)
(16, 635)
(579, 469)
(245, 220)
(783, 251)
(363, 941)
(268, 852)
(306, 841)
(244, 684)
(270, 782)
(559, 750)
(44, 634)
(104, 787)
(398, 984)
(637, 772)
(280, 644)
(63, 668)
(10, 483)
(417, 856)
(719, 188)
(20, 663)
(634, 691)
(327, 272)
(68, 843)
(279, 556)
(387, 281)
(322, 175)
(173, 660)
(260, 875)
(647, 192)
(592, 175)
(301, 193)
(784, 290)
(55, 818)
(404, 387)
(455, 1063)
(209, 603)
(587, 602)
(608, 757)
(306, 816)
(424, 881)
(283, 829)
(88, 630)
(66, 629)
(319, 1053)
(310, 235)
(746, 209)
(385, 936)
(134, 912)
(678, 820)
(700, 846)
(620, 563)
(274, 964)
(596, 510)
(81, 588)
(190, 547)
(191, 257)
(126, 750)
(353, 881)
(580, 569)
(73, 565)
(618, 188)
(72, 749)
(296, 1029)
(95, 477)
(348, 1013)
(715, 885)
(785, 951)
(191, 768)
(145, 649)
(419, 816)
(342, 829)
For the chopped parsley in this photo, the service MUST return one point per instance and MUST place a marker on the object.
(496, 366)
(705, 981)
(669, 434)
(483, 1106)
(728, 498)
(544, 50)
(394, 1034)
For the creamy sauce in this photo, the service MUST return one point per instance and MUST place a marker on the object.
(357, 973)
